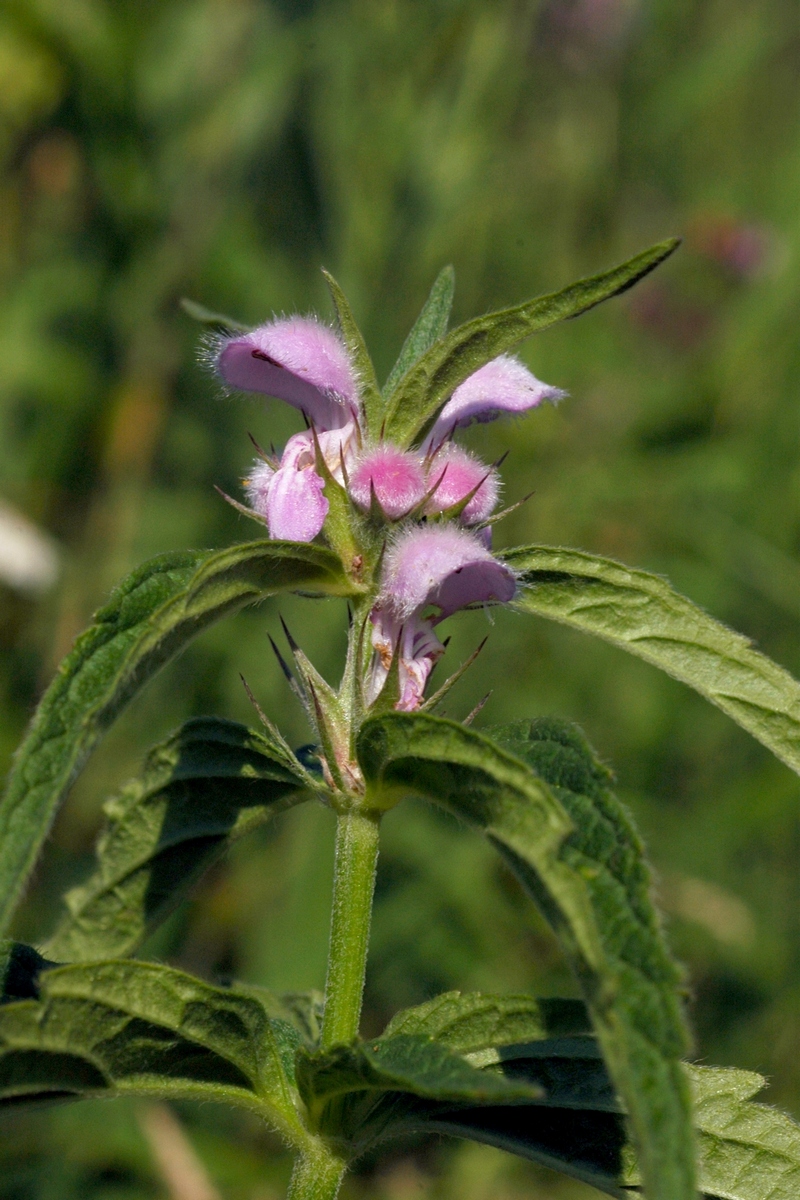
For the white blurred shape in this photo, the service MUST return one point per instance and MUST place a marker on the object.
(29, 558)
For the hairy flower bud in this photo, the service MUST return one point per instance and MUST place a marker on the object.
(460, 473)
(396, 478)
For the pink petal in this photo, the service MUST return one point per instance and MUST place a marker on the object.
(460, 473)
(445, 566)
(293, 500)
(299, 360)
(395, 475)
(296, 507)
(504, 385)
(419, 650)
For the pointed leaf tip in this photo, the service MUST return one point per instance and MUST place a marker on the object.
(369, 392)
(429, 327)
(427, 385)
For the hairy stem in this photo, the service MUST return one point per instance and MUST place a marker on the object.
(317, 1174)
(353, 887)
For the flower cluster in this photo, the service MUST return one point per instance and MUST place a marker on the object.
(436, 496)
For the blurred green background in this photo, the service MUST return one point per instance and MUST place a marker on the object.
(225, 150)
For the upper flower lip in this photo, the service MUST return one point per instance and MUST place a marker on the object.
(296, 359)
(504, 385)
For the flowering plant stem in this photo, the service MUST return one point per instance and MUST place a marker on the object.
(353, 887)
(317, 1174)
(318, 1171)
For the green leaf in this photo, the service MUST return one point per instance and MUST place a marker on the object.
(746, 1151)
(370, 393)
(123, 1027)
(428, 384)
(208, 784)
(343, 1086)
(641, 613)
(575, 851)
(214, 320)
(429, 327)
(150, 617)
(572, 1122)
(302, 1010)
(474, 1021)
(576, 1127)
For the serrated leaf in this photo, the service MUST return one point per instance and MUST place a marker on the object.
(208, 784)
(575, 1128)
(150, 617)
(474, 1021)
(746, 1150)
(643, 614)
(343, 1086)
(578, 856)
(427, 385)
(573, 1125)
(368, 390)
(429, 327)
(128, 1028)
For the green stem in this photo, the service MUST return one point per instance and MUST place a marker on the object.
(317, 1174)
(353, 887)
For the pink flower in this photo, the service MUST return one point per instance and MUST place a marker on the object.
(395, 477)
(460, 473)
(303, 362)
(441, 567)
(296, 359)
(419, 649)
(291, 498)
(504, 385)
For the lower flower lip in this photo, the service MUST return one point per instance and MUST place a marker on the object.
(480, 582)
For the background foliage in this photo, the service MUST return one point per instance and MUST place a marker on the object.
(225, 149)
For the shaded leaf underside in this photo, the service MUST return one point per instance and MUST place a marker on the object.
(135, 1028)
(745, 1150)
